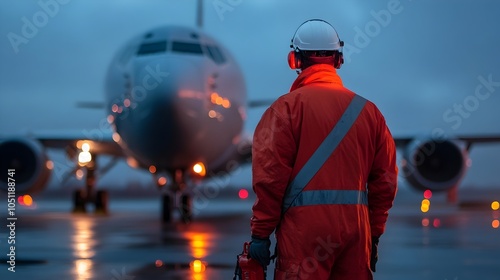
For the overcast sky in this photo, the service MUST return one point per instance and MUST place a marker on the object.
(417, 60)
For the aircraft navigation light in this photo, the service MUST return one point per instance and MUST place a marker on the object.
(116, 137)
(199, 168)
(213, 97)
(84, 158)
(219, 100)
(162, 181)
(132, 162)
(79, 174)
(85, 147)
(79, 144)
(152, 169)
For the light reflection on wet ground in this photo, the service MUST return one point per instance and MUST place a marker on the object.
(447, 242)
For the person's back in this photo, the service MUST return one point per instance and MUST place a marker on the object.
(325, 230)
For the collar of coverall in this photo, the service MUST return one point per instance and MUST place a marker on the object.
(318, 73)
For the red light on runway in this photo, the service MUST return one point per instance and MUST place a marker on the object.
(20, 200)
(425, 222)
(158, 263)
(436, 223)
(428, 194)
(495, 224)
(243, 194)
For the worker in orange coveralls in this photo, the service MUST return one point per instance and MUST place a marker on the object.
(324, 170)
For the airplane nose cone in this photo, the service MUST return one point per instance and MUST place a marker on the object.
(160, 118)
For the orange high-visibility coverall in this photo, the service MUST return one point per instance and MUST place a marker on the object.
(324, 241)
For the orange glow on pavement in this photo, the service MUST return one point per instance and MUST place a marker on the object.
(197, 266)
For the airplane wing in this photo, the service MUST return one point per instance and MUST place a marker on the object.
(402, 142)
(260, 103)
(26, 154)
(101, 141)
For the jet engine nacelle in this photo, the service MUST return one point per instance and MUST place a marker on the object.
(434, 164)
(29, 160)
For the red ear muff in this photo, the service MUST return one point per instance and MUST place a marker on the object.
(294, 60)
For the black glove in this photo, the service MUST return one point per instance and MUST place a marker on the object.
(259, 250)
(374, 256)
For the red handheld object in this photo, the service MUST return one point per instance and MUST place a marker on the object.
(249, 269)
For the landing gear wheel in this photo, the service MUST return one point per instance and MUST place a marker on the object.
(79, 202)
(101, 202)
(166, 208)
(186, 205)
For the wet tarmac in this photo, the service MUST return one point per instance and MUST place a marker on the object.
(446, 243)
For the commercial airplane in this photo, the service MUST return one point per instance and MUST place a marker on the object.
(176, 100)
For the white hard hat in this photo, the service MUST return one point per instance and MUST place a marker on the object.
(316, 35)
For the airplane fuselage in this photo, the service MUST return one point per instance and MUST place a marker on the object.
(176, 97)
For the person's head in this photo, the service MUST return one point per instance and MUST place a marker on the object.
(315, 42)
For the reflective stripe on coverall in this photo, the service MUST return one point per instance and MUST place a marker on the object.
(322, 240)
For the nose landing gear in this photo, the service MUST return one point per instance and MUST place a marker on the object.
(178, 198)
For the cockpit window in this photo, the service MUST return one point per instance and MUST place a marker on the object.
(215, 54)
(150, 48)
(186, 48)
